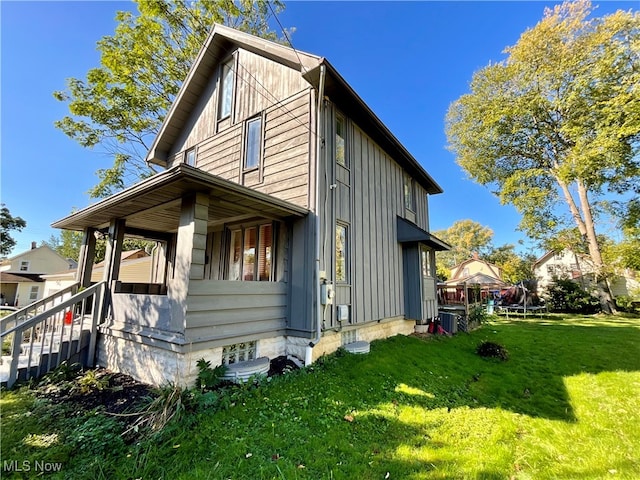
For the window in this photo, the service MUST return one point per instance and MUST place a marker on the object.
(409, 198)
(33, 294)
(251, 252)
(24, 266)
(341, 253)
(426, 261)
(239, 352)
(253, 146)
(340, 136)
(226, 89)
(190, 157)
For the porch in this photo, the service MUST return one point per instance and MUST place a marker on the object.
(219, 274)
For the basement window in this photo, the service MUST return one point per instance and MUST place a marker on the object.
(238, 352)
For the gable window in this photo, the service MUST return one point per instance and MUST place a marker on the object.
(190, 157)
(409, 197)
(341, 158)
(226, 89)
(24, 266)
(341, 253)
(251, 254)
(253, 145)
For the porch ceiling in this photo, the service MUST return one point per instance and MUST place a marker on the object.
(154, 204)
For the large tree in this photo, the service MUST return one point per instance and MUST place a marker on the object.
(7, 223)
(121, 104)
(558, 121)
(466, 237)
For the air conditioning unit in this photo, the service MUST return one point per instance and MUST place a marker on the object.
(448, 321)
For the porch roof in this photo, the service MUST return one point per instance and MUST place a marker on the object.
(154, 203)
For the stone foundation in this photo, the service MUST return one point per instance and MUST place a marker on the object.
(160, 365)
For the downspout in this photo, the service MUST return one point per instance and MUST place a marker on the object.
(308, 357)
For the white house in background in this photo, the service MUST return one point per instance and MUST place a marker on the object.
(579, 268)
(21, 280)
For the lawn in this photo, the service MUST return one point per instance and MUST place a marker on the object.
(566, 404)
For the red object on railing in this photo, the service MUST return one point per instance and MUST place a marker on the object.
(68, 318)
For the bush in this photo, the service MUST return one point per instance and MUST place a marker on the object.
(492, 350)
(566, 296)
(478, 315)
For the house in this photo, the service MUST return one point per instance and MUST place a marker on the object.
(473, 282)
(579, 268)
(135, 267)
(21, 280)
(289, 221)
(473, 266)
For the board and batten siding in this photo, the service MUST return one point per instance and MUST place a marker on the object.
(370, 204)
(225, 312)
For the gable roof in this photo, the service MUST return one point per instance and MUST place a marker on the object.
(30, 251)
(477, 279)
(222, 39)
(492, 268)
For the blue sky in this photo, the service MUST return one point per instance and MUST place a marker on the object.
(407, 60)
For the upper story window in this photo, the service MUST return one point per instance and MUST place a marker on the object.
(251, 253)
(409, 195)
(24, 266)
(341, 158)
(253, 145)
(190, 157)
(226, 89)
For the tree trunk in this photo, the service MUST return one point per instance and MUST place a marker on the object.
(606, 299)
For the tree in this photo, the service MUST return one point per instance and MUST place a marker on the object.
(466, 237)
(558, 122)
(7, 223)
(121, 105)
(69, 242)
(515, 268)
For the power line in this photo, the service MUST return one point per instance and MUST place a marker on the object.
(286, 36)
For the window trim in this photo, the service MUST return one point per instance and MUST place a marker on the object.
(412, 192)
(195, 156)
(347, 244)
(260, 147)
(231, 62)
(34, 291)
(26, 264)
(242, 228)
(340, 116)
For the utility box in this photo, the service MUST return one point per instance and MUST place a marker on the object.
(343, 313)
(326, 293)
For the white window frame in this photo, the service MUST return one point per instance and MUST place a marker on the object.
(257, 148)
(191, 156)
(24, 265)
(225, 111)
(33, 293)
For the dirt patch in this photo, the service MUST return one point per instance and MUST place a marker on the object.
(119, 393)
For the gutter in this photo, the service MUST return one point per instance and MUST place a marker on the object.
(319, 148)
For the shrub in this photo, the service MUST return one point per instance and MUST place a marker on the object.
(492, 350)
(478, 315)
(209, 378)
(566, 296)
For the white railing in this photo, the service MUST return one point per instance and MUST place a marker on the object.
(31, 310)
(66, 331)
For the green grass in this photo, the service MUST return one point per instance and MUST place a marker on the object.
(565, 405)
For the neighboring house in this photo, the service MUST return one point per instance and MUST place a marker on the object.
(472, 282)
(20, 276)
(290, 221)
(135, 267)
(473, 266)
(579, 268)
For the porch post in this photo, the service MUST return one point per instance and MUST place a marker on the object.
(87, 256)
(114, 251)
(190, 254)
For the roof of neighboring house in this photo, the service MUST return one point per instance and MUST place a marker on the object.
(6, 277)
(128, 255)
(222, 39)
(492, 268)
(477, 279)
(27, 252)
(547, 255)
